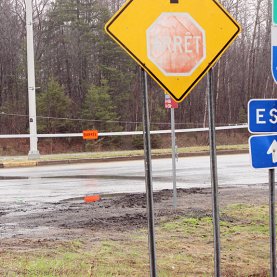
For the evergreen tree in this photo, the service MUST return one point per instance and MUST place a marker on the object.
(55, 106)
(99, 108)
(242, 118)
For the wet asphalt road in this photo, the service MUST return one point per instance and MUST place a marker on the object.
(58, 182)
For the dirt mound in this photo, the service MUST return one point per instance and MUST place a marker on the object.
(74, 218)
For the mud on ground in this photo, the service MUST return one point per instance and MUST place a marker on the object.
(35, 225)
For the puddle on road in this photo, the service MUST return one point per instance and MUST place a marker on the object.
(95, 177)
(107, 177)
(13, 177)
(11, 230)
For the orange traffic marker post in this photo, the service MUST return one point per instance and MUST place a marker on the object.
(92, 198)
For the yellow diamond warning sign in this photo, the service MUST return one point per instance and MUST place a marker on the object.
(176, 43)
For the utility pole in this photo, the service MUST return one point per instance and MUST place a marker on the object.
(33, 153)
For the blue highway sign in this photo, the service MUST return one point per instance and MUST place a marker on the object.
(274, 52)
(262, 116)
(263, 151)
(274, 63)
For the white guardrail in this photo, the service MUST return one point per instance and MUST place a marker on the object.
(243, 126)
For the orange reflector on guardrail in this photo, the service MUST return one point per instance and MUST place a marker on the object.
(90, 134)
(92, 198)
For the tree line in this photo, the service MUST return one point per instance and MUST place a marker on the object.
(84, 80)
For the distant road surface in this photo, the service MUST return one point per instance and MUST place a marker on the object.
(58, 182)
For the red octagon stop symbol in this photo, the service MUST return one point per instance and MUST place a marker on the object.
(176, 44)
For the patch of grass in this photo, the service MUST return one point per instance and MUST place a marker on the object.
(197, 149)
(126, 153)
(121, 259)
(247, 212)
(189, 226)
(66, 260)
(184, 247)
(133, 153)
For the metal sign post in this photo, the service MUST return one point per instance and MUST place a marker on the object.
(169, 103)
(148, 177)
(173, 143)
(214, 178)
(272, 171)
(271, 176)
